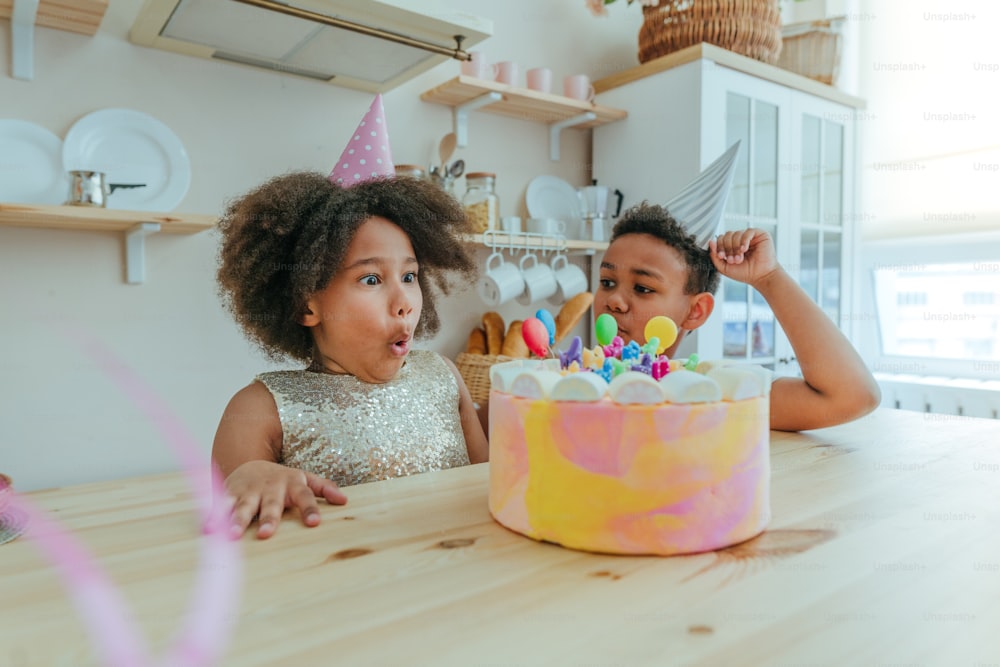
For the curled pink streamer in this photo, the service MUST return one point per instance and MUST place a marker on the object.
(212, 610)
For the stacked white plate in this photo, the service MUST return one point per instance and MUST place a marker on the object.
(130, 147)
(550, 197)
(31, 169)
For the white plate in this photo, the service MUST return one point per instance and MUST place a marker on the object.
(31, 169)
(130, 147)
(552, 197)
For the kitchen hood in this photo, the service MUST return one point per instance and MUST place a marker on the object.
(372, 45)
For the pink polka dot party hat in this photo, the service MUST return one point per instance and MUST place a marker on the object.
(367, 154)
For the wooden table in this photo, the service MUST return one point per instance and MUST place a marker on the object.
(884, 550)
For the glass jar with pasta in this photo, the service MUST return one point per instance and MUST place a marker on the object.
(482, 206)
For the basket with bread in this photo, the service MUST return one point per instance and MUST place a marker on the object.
(496, 341)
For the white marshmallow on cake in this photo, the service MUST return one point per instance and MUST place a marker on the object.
(635, 388)
(704, 367)
(534, 384)
(690, 387)
(503, 374)
(739, 382)
(581, 387)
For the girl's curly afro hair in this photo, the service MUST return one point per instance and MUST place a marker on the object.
(283, 242)
(655, 220)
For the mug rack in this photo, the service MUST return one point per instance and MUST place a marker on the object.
(526, 241)
(516, 241)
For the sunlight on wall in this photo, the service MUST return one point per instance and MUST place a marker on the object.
(930, 140)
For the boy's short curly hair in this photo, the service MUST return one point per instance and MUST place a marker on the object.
(655, 220)
(283, 241)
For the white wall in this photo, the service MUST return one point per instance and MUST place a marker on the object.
(62, 421)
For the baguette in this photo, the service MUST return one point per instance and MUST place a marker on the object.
(513, 342)
(571, 312)
(494, 326)
(477, 342)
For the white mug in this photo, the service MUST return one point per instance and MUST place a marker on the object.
(570, 280)
(539, 280)
(501, 281)
(546, 226)
(540, 79)
(478, 67)
(511, 224)
(578, 87)
(507, 72)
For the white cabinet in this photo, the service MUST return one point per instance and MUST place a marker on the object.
(795, 177)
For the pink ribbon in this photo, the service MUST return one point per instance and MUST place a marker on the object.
(215, 602)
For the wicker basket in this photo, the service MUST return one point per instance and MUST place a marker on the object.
(475, 370)
(813, 49)
(748, 27)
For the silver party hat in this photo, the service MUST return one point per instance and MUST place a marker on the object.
(700, 205)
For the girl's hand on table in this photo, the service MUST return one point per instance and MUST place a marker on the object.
(264, 490)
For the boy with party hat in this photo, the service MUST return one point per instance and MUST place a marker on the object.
(341, 273)
(667, 260)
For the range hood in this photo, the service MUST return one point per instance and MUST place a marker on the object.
(372, 45)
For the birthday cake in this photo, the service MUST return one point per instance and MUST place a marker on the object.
(620, 450)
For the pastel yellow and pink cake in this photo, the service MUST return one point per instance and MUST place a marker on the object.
(662, 465)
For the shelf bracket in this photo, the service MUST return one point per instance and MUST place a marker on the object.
(462, 115)
(556, 128)
(22, 39)
(135, 251)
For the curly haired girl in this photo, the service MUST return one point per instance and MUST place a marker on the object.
(343, 279)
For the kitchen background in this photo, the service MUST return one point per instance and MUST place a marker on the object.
(62, 421)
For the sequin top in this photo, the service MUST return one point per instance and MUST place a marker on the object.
(352, 432)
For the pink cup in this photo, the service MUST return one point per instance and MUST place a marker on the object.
(578, 87)
(540, 79)
(478, 67)
(507, 72)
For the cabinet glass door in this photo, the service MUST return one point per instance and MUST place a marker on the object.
(748, 323)
(821, 214)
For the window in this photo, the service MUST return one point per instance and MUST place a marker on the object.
(928, 311)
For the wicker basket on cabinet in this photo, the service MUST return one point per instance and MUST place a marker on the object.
(748, 27)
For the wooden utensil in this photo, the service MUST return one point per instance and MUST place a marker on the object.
(446, 148)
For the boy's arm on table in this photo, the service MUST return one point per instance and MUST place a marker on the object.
(836, 386)
(247, 449)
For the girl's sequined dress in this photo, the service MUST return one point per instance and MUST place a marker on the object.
(352, 432)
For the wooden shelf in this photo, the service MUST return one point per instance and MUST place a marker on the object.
(88, 218)
(464, 93)
(82, 16)
(134, 226)
(521, 103)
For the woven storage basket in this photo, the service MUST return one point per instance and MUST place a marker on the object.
(813, 49)
(475, 370)
(748, 27)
